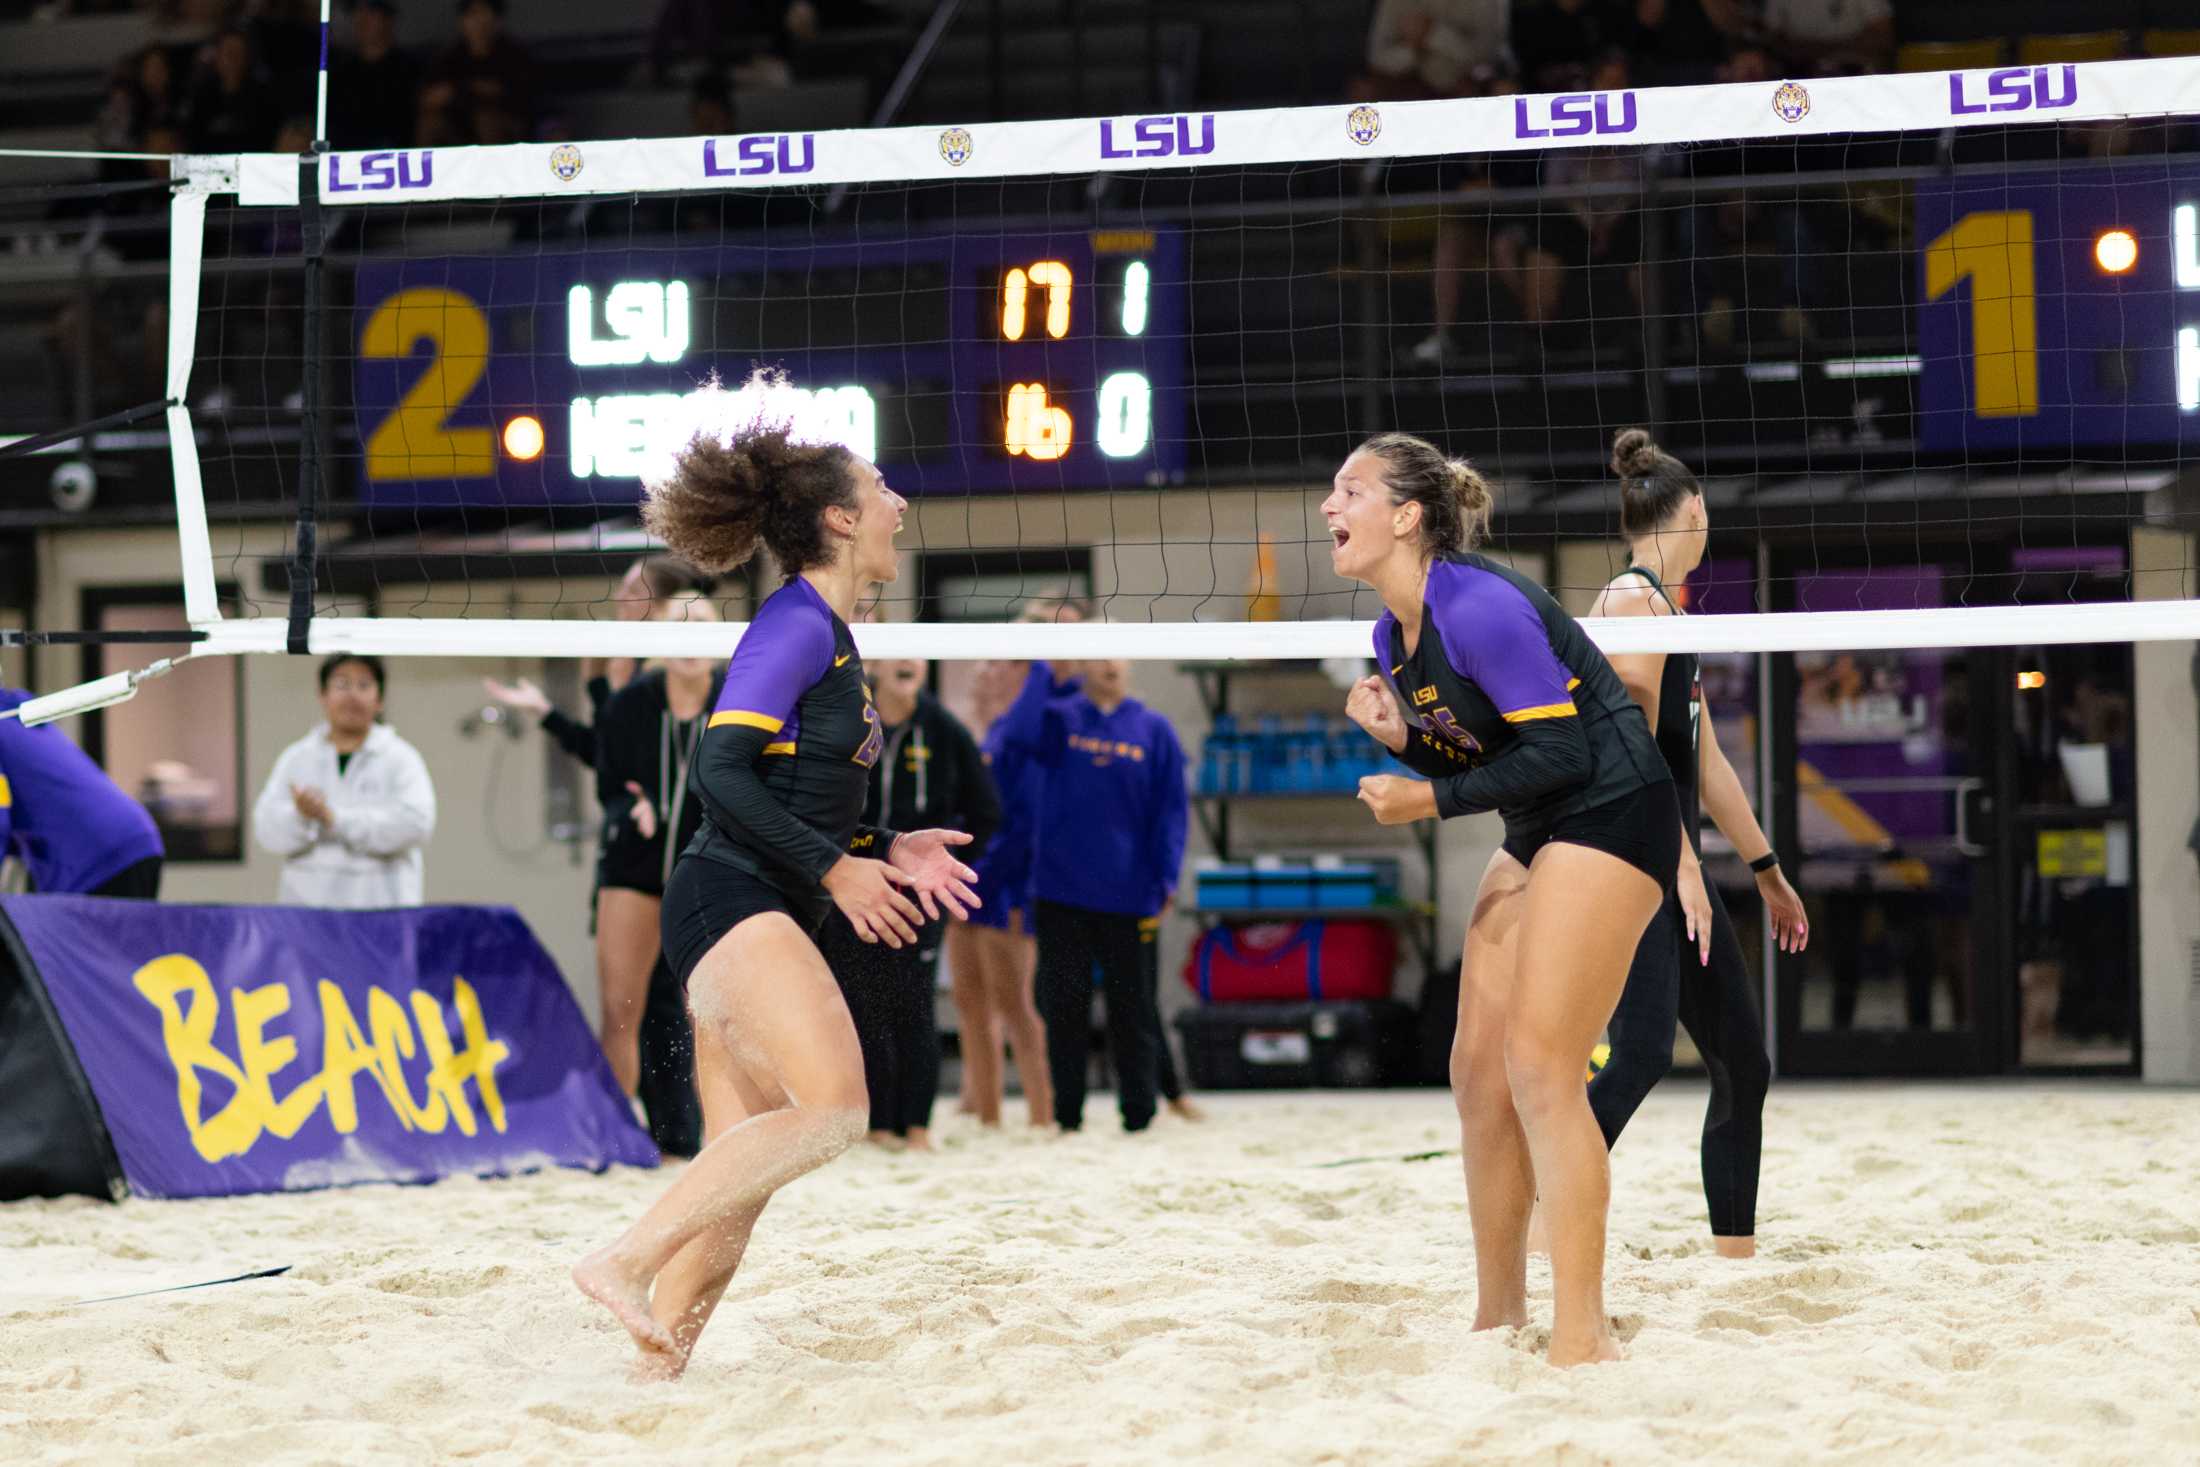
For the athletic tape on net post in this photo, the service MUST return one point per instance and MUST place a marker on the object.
(1641, 116)
(1785, 631)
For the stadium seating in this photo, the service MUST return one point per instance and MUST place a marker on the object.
(2086, 46)
(1949, 55)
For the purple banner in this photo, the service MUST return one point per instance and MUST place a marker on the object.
(269, 1049)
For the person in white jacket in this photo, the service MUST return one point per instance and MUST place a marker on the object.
(349, 806)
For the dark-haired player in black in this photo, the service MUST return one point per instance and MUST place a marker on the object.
(1689, 968)
(930, 773)
(1487, 686)
(782, 773)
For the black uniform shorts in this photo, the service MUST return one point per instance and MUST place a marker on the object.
(1643, 829)
(707, 899)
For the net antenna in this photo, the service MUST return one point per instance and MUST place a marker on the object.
(628, 321)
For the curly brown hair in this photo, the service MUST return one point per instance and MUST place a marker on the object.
(727, 495)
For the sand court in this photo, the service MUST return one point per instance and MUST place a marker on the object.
(1947, 1274)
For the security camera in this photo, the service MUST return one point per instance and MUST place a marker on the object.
(73, 486)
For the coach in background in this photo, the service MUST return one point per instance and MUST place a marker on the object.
(349, 806)
(65, 820)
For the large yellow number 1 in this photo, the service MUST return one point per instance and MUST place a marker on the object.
(1994, 253)
(414, 441)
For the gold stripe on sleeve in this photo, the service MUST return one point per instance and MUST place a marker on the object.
(1542, 710)
(784, 746)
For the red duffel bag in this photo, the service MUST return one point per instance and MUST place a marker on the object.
(1284, 961)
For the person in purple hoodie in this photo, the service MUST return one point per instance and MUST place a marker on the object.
(66, 820)
(1109, 848)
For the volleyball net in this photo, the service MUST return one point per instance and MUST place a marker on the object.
(1931, 341)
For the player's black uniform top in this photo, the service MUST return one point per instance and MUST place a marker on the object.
(1680, 722)
(1511, 707)
(641, 743)
(786, 760)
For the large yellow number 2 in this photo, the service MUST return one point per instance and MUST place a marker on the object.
(413, 441)
(1994, 253)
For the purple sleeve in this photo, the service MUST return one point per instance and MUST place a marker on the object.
(1495, 636)
(782, 655)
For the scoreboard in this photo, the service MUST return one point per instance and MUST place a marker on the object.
(956, 363)
(2059, 310)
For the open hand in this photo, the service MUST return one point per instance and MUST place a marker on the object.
(1695, 910)
(865, 891)
(521, 697)
(923, 862)
(1790, 923)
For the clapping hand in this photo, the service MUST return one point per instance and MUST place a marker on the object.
(521, 697)
(927, 867)
(311, 804)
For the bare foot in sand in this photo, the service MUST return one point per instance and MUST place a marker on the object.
(1602, 1349)
(883, 1140)
(626, 1294)
(1735, 1247)
(1501, 1319)
(919, 1139)
(1184, 1110)
(1539, 1234)
(657, 1367)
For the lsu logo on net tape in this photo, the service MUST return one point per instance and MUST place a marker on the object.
(1364, 125)
(566, 162)
(955, 146)
(1791, 102)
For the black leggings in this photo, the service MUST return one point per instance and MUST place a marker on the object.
(1718, 1004)
(667, 1088)
(1075, 944)
(139, 882)
(890, 997)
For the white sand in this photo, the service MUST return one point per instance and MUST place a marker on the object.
(2006, 1274)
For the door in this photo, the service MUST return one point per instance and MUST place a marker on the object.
(1885, 771)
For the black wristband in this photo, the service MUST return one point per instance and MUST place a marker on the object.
(1765, 862)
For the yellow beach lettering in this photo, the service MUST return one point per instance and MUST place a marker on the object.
(183, 994)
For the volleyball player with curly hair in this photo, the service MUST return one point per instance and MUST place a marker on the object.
(781, 773)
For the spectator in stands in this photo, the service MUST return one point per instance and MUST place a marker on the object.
(1554, 41)
(232, 107)
(1831, 37)
(374, 85)
(482, 88)
(1679, 42)
(1418, 49)
(141, 96)
(65, 820)
(710, 106)
(349, 807)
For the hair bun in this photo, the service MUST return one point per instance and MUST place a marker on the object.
(1634, 453)
(1469, 487)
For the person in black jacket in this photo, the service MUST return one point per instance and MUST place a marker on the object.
(651, 590)
(929, 773)
(645, 747)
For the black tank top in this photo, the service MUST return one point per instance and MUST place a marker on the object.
(1680, 711)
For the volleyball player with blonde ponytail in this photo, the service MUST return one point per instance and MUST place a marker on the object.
(1488, 687)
